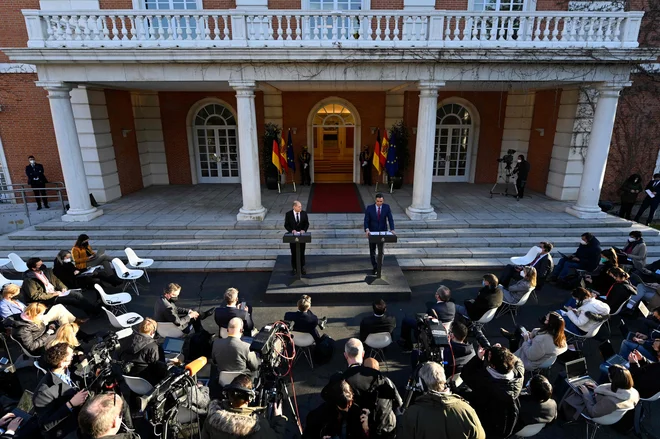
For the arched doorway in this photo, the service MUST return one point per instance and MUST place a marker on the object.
(454, 136)
(334, 135)
(215, 142)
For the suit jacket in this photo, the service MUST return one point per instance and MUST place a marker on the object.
(374, 324)
(56, 421)
(166, 311)
(543, 268)
(654, 200)
(304, 322)
(446, 311)
(223, 314)
(232, 354)
(532, 411)
(487, 299)
(371, 218)
(36, 175)
(290, 222)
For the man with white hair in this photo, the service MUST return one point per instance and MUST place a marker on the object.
(439, 413)
(232, 354)
(101, 417)
(297, 222)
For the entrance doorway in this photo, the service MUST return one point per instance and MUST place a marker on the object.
(333, 140)
(216, 145)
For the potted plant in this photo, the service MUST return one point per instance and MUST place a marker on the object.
(271, 132)
(399, 132)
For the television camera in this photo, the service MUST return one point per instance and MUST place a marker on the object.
(507, 159)
(504, 174)
(106, 372)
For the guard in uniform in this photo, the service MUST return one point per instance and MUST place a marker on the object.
(305, 161)
(365, 164)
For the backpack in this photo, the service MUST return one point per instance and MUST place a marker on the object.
(323, 350)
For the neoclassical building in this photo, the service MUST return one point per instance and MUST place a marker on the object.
(117, 95)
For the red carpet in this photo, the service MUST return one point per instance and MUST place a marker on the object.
(335, 198)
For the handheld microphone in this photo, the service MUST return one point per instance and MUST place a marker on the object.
(195, 366)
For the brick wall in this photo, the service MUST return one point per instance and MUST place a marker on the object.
(297, 106)
(120, 114)
(13, 32)
(491, 107)
(116, 4)
(26, 127)
(174, 107)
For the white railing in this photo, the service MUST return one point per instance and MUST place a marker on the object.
(273, 28)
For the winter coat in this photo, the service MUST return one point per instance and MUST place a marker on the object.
(601, 281)
(589, 254)
(327, 420)
(618, 294)
(603, 401)
(81, 256)
(142, 352)
(34, 290)
(494, 399)
(440, 415)
(32, 336)
(167, 311)
(538, 350)
(646, 376)
(457, 355)
(583, 321)
(636, 252)
(55, 419)
(487, 299)
(626, 187)
(517, 290)
(224, 422)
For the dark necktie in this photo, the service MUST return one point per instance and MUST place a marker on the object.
(378, 215)
(297, 218)
(536, 259)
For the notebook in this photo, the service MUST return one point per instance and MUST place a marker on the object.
(643, 309)
(576, 373)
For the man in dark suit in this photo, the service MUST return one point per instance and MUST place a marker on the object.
(223, 314)
(376, 218)
(37, 179)
(543, 264)
(460, 352)
(296, 222)
(650, 201)
(166, 310)
(490, 297)
(522, 169)
(442, 309)
(232, 354)
(304, 319)
(378, 322)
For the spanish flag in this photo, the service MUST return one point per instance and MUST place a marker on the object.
(376, 155)
(384, 147)
(283, 161)
(276, 156)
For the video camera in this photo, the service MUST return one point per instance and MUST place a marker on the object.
(99, 363)
(432, 337)
(507, 159)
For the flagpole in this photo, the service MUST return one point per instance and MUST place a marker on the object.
(279, 179)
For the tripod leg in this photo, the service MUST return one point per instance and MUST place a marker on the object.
(293, 410)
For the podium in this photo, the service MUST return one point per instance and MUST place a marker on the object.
(379, 238)
(302, 238)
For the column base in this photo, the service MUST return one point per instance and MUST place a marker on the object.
(586, 212)
(421, 214)
(251, 215)
(87, 215)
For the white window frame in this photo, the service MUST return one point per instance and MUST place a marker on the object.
(473, 139)
(366, 5)
(140, 5)
(528, 6)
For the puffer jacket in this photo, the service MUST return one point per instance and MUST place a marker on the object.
(583, 321)
(605, 401)
(30, 335)
(440, 415)
(142, 352)
(224, 422)
(538, 350)
(518, 290)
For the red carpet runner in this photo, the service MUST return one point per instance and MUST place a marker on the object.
(335, 198)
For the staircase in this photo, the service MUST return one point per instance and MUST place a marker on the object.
(232, 246)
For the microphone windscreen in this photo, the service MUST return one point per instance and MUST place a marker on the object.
(196, 365)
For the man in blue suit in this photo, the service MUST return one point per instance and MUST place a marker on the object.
(376, 218)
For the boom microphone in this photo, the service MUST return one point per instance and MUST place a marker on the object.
(195, 366)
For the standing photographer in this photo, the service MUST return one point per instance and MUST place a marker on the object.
(522, 169)
(232, 418)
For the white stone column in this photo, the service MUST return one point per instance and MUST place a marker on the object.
(597, 151)
(421, 208)
(73, 168)
(248, 149)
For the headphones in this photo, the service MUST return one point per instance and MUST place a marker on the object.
(234, 388)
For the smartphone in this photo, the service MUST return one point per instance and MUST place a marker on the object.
(4, 361)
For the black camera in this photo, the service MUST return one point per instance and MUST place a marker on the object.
(432, 337)
(507, 158)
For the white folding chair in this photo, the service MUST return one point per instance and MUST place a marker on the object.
(223, 333)
(530, 430)
(225, 378)
(579, 339)
(116, 302)
(26, 359)
(377, 342)
(4, 281)
(640, 411)
(545, 366)
(304, 341)
(126, 320)
(39, 368)
(138, 385)
(512, 308)
(623, 305)
(610, 419)
(169, 329)
(18, 263)
(129, 276)
(135, 261)
(528, 258)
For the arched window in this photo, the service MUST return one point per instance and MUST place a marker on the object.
(453, 136)
(216, 144)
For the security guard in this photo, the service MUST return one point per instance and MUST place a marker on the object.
(305, 159)
(365, 164)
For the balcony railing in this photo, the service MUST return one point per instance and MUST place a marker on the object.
(355, 29)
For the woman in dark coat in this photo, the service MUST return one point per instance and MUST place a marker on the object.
(600, 279)
(66, 271)
(629, 191)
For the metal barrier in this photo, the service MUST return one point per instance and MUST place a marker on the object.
(10, 193)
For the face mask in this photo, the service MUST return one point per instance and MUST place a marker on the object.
(32, 162)
(522, 273)
(519, 161)
(67, 260)
(583, 242)
(631, 239)
(603, 260)
(174, 298)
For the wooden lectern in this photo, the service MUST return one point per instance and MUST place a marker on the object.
(302, 238)
(379, 238)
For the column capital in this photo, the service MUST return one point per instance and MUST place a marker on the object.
(243, 88)
(430, 85)
(56, 89)
(612, 89)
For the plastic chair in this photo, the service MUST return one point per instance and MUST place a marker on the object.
(129, 276)
(528, 258)
(579, 339)
(640, 411)
(377, 342)
(116, 302)
(126, 320)
(530, 430)
(223, 333)
(18, 263)
(545, 366)
(4, 281)
(610, 419)
(303, 342)
(512, 308)
(138, 385)
(169, 329)
(135, 261)
(456, 379)
(225, 378)
(39, 368)
(26, 359)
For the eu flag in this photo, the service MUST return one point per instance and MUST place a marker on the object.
(392, 163)
(290, 158)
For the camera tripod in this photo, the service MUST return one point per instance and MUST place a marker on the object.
(277, 392)
(504, 177)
